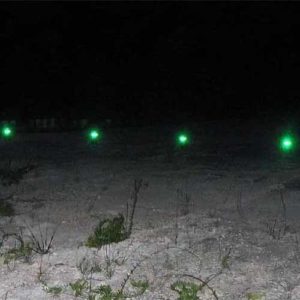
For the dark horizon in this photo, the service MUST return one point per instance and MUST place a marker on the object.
(149, 61)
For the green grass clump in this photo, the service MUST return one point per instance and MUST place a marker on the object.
(140, 285)
(186, 290)
(54, 290)
(118, 228)
(255, 296)
(79, 286)
(82, 288)
(24, 251)
(106, 293)
(108, 231)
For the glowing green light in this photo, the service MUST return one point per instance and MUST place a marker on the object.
(287, 143)
(94, 135)
(182, 139)
(6, 131)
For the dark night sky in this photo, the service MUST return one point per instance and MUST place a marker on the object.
(149, 60)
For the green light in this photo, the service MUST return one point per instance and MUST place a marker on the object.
(287, 143)
(94, 135)
(7, 132)
(182, 139)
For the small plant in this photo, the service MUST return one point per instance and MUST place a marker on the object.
(116, 229)
(109, 264)
(41, 241)
(22, 250)
(82, 288)
(79, 286)
(85, 289)
(140, 285)
(108, 231)
(42, 271)
(225, 259)
(203, 284)
(88, 267)
(106, 293)
(186, 290)
(54, 290)
(255, 296)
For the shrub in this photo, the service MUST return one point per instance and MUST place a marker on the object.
(108, 231)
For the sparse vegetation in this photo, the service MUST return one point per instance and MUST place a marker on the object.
(140, 285)
(116, 229)
(79, 286)
(99, 276)
(186, 290)
(88, 267)
(225, 259)
(108, 231)
(54, 290)
(106, 293)
(42, 271)
(21, 251)
(42, 241)
(255, 296)
(83, 288)
(10, 175)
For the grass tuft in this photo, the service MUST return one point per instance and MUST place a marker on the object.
(108, 231)
(186, 290)
(255, 296)
(118, 228)
(21, 251)
(79, 286)
(42, 241)
(54, 290)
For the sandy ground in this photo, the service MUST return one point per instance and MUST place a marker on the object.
(204, 210)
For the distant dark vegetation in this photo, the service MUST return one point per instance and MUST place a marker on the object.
(147, 112)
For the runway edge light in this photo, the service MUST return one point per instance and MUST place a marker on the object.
(7, 131)
(287, 143)
(94, 135)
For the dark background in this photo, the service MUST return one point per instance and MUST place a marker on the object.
(149, 62)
